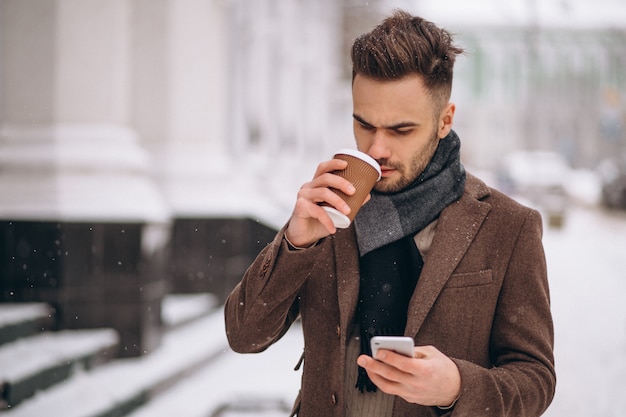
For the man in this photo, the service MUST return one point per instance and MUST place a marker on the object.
(434, 254)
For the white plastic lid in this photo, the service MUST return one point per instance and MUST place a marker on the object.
(361, 155)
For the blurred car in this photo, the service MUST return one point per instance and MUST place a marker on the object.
(537, 178)
(613, 177)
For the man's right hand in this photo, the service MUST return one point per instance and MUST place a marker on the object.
(309, 222)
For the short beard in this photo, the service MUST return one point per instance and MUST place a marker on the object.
(417, 165)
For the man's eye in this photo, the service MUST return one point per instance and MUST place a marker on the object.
(403, 132)
(366, 127)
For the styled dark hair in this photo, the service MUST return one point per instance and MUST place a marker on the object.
(404, 44)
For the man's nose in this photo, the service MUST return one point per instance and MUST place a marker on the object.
(379, 149)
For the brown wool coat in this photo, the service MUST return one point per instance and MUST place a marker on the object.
(482, 299)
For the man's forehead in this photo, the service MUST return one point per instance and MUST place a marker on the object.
(390, 103)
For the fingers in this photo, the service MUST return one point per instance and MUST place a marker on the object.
(387, 362)
(325, 178)
(309, 221)
(309, 218)
(330, 166)
(313, 195)
(388, 378)
(431, 378)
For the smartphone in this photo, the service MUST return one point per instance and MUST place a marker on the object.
(400, 344)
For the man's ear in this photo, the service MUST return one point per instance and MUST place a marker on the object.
(445, 120)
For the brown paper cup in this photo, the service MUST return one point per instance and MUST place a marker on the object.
(363, 172)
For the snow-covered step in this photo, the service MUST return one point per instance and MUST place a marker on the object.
(37, 362)
(180, 309)
(23, 319)
(262, 384)
(123, 384)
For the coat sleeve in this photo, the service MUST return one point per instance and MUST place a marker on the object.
(522, 380)
(262, 307)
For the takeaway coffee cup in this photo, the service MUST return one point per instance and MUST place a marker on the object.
(363, 172)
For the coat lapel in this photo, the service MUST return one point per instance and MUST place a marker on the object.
(456, 229)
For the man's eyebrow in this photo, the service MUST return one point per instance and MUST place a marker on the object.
(395, 126)
(360, 120)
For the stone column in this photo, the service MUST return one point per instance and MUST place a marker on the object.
(83, 222)
(181, 78)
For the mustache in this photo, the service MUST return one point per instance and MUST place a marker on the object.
(385, 162)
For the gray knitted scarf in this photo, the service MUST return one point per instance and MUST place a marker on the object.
(387, 218)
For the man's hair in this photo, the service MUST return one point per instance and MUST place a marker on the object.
(404, 44)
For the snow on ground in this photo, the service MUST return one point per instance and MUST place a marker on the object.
(588, 288)
(180, 308)
(94, 392)
(235, 379)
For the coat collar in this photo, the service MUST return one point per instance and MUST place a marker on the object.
(456, 229)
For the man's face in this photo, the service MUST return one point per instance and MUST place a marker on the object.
(395, 123)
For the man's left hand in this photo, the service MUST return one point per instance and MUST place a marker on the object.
(429, 378)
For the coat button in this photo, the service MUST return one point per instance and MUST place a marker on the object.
(339, 330)
(333, 399)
